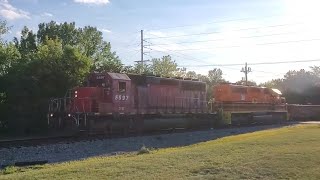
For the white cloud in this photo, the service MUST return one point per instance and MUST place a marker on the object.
(11, 13)
(47, 14)
(105, 30)
(95, 2)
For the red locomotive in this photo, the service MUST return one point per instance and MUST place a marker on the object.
(114, 101)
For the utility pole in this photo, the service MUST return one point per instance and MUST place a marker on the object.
(142, 53)
(142, 48)
(246, 71)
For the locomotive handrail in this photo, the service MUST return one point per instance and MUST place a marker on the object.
(160, 104)
(177, 104)
(55, 104)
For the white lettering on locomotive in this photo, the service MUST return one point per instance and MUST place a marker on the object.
(121, 97)
(121, 108)
(100, 77)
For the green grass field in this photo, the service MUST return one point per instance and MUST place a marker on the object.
(285, 153)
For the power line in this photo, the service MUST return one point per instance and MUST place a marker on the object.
(185, 56)
(192, 58)
(260, 44)
(213, 22)
(255, 70)
(166, 52)
(215, 32)
(253, 64)
(221, 39)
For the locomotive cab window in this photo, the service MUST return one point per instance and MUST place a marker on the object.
(122, 86)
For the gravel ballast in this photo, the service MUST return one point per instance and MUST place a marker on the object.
(63, 152)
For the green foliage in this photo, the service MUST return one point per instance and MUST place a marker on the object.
(214, 77)
(10, 170)
(9, 55)
(164, 67)
(50, 73)
(299, 87)
(105, 60)
(4, 29)
(274, 83)
(27, 44)
(45, 64)
(88, 40)
(138, 68)
(67, 32)
(191, 74)
(315, 70)
(244, 83)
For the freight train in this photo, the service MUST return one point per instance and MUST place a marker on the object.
(110, 102)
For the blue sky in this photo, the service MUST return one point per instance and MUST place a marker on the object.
(193, 32)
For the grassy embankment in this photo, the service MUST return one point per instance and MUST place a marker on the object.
(290, 152)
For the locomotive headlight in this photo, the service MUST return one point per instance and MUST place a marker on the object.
(51, 115)
(75, 92)
(69, 115)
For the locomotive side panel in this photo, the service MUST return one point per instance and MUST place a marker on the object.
(229, 93)
(246, 104)
(154, 95)
(121, 90)
(162, 98)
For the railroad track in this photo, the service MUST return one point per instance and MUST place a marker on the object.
(27, 142)
(32, 141)
(18, 143)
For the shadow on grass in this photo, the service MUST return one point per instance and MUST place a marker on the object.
(81, 150)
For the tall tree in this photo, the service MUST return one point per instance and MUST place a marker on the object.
(4, 29)
(138, 68)
(28, 85)
(299, 87)
(274, 83)
(67, 32)
(215, 76)
(9, 55)
(88, 40)
(164, 67)
(27, 44)
(315, 70)
(248, 83)
(105, 60)
(181, 72)
(191, 74)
